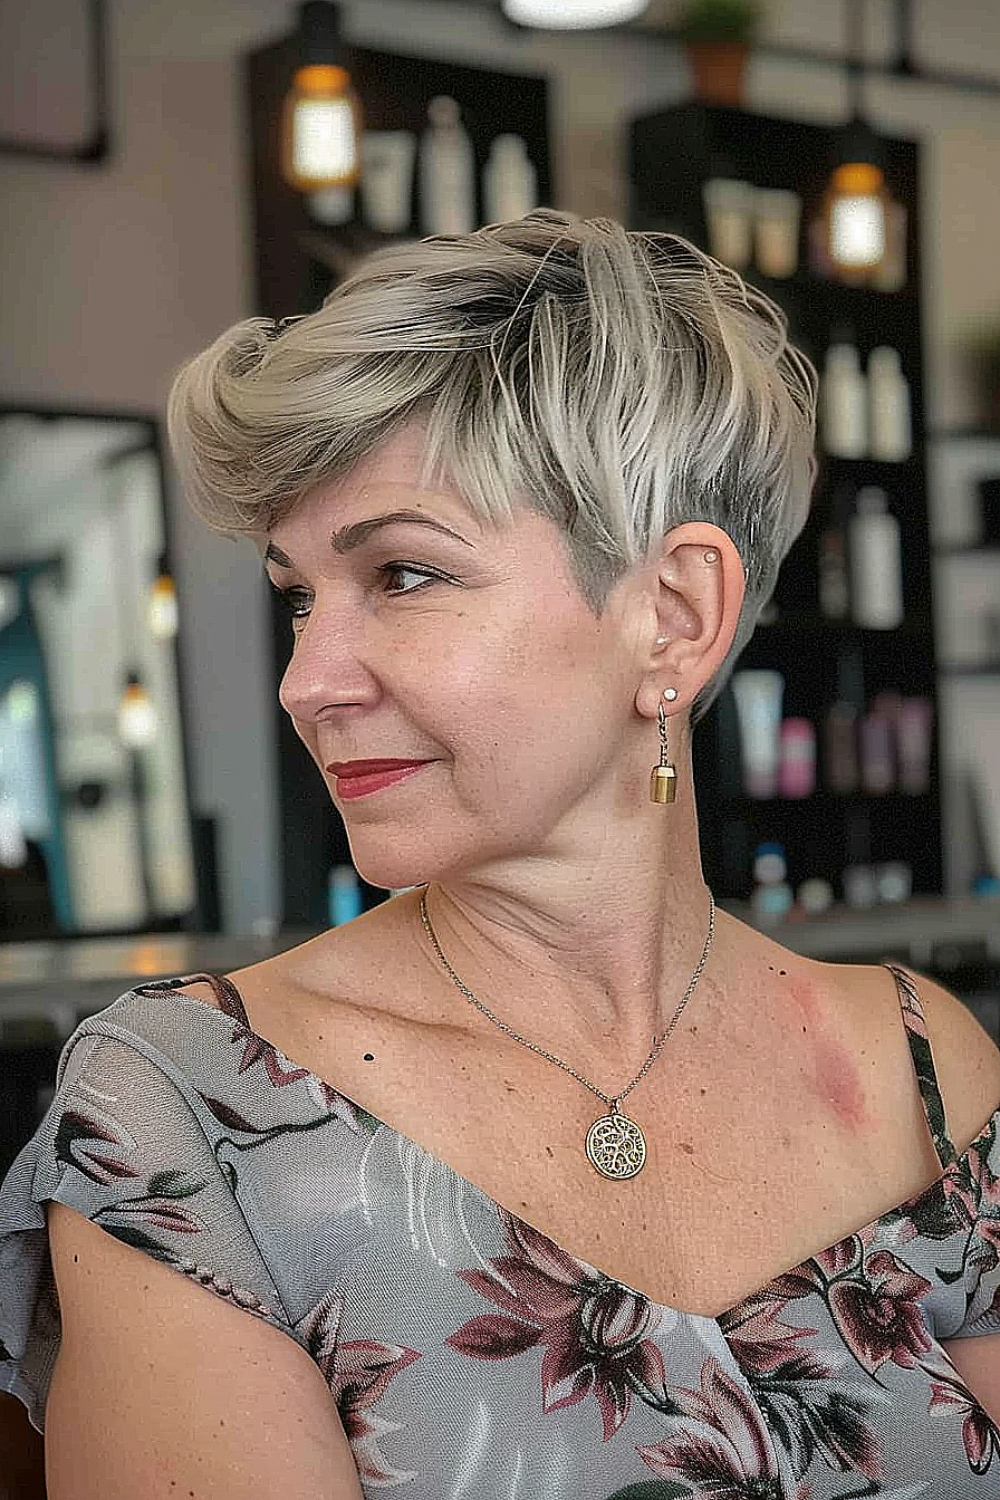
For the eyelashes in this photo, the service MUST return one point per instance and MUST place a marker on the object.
(295, 601)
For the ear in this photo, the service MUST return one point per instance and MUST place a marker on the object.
(699, 583)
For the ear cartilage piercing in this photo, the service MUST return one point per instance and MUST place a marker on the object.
(711, 555)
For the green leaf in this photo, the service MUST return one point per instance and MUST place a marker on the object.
(719, 20)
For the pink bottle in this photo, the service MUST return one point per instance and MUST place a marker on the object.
(797, 771)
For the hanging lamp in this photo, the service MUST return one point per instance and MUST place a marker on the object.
(162, 603)
(572, 15)
(322, 119)
(857, 204)
(137, 717)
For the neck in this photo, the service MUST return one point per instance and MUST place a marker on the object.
(590, 964)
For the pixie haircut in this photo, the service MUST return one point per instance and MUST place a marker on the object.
(618, 383)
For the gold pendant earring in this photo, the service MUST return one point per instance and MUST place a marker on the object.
(663, 778)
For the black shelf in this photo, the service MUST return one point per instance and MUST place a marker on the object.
(968, 549)
(823, 800)
(672, 153)
(920, 628)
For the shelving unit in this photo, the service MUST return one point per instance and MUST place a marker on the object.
(672, 153)
(298, 262)
(966, 557)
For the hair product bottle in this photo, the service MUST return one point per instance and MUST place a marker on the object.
(841, 747)
(344, 900)
(844, 403)
(510, 182)
(890, 421)
(759, 695)
(876, 568)
(834, 598)
(797, 769)
(447, 171)
(878, 765)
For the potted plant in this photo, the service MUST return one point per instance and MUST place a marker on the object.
(717, 35)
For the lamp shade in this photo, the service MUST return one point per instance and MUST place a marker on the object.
(572, 15)
(137, 718)
(322, 118)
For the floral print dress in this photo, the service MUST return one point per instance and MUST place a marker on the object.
(470, 1357)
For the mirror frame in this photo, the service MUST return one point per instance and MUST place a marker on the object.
(203, 915)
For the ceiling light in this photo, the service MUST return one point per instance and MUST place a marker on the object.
(571, 15)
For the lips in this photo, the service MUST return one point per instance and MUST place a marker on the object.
(347, 768)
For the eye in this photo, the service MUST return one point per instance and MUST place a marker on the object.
(290, 599)
(388, 569)
(297, 600)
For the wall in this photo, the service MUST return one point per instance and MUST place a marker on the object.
(110, 276)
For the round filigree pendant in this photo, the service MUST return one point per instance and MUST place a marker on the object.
(616, 1146)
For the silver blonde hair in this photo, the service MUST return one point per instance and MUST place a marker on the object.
(618, 383)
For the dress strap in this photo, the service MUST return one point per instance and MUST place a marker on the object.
(923, 1064)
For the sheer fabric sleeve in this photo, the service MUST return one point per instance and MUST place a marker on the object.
(977, 1192)
(121, 1144)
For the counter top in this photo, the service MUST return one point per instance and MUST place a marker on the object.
(911, 932)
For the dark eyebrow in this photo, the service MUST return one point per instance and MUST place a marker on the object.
(349, 537)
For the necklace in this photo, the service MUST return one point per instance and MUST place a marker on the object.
(615, 1145)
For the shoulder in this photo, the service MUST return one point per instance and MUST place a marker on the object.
(966, 1059)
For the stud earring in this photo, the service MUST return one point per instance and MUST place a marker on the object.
(670, 694)
(711, 555)
(663, 778)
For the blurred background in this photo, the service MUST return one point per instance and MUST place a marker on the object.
(166, 170)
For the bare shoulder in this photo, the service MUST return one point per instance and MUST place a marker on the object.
(966, 1059)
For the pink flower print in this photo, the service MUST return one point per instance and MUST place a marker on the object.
(96, 1147)
(594, 1330)
(358, 1373)
(980, 1436)
(879, 1316)
(721, 1444)
(760, 1342)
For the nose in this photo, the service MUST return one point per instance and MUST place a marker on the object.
(325, 665)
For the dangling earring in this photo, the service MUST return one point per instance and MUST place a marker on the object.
(663, 778)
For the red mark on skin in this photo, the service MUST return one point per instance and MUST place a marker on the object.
(835, 1076)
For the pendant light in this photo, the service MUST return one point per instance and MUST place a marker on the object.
(322, 118)
(162, 604)
(572, 15)
(856, 205)
(137, 718)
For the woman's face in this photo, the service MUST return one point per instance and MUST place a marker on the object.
(474, 652)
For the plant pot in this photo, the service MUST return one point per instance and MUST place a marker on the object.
(718, 70)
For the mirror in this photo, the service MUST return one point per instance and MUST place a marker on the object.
(95, 824)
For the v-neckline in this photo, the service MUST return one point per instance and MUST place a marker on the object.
(243, 1020)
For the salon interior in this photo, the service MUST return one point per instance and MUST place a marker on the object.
(166, 171)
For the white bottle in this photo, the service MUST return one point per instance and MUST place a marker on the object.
(510, 182)
(845, 403)
(447, 171)
(876, 569)
(890, 421)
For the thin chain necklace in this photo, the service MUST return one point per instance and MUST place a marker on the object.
(615, 1145)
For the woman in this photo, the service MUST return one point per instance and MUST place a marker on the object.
(567, 1184)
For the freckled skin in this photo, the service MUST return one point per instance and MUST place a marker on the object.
(835, 1076)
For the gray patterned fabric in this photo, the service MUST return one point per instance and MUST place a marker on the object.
(470, 1357)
